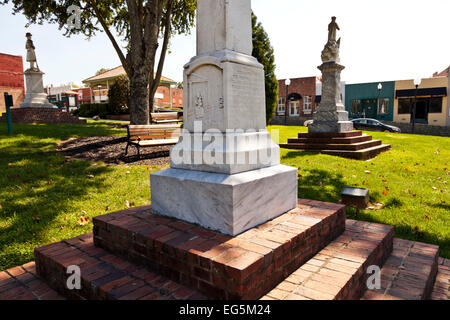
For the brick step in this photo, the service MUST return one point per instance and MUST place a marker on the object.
(408, 274)
(22, 283)
(318, 146)
(348, 140)
(330, 134)
(104, 276)
(441, 289)
(339, 271)
(364, 154)
(223, 267)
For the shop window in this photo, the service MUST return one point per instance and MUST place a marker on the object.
(384, 106)
(355, 107)
(435, 105)
(281, 105)
(404, 106)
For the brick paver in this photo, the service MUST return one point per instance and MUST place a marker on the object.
(21, 283)
(441, 289)
(408, 274)
(339, 270)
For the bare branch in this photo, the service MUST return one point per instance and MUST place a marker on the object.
(122, 58)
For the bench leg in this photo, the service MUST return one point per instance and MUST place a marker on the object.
(126, 149)
(139, 151)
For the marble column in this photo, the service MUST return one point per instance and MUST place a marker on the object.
(225, 171)
(35, 96)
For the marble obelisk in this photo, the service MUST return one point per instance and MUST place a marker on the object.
(331, 116)
(225, 171)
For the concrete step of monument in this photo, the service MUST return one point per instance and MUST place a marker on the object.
(319, 146)
(223, 267)
(348, 140)
(22, 283)
(103, 276)
(339, 271)
(441, 289)
(347, 134)
(363, 154)
(408, 274)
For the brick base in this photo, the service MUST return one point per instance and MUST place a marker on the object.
(223, 267)
(41, 116)
(352, 144)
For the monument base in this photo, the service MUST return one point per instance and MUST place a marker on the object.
(230, 204)
(35, 96)
(330, 126)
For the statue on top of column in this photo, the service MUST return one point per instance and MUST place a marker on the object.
(331, 50)
(31, 55)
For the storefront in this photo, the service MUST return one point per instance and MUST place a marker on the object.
(370, 100)
(430, 99)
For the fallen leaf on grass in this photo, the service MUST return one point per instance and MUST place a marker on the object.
(434, 188)
(107, 208)
(367, 171)
(427, 217)
(36, 218)
(385, 193)
(376, 206)
(83, 221)
(90, 176)
(49, 182)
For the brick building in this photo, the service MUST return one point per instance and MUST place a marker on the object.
(301, 98)
(11, 79)
(167, 94)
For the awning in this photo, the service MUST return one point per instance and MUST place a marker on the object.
(294, 97)
(426, 92)
(318, 99)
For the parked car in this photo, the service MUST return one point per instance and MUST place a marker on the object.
(308, 122)
(373, 125)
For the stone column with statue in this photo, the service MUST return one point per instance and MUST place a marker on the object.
(331, 115)
(225, 172)
(35, 96)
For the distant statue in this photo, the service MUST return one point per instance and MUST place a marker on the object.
(332, 30)
(31, 55)
(331, 50)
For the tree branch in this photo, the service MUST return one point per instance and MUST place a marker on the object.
(162, 57)
(109, 34)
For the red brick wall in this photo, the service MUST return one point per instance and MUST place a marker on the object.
(302, 86)
(11, 79)
(177, 97)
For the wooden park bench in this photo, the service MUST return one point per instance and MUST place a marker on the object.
(167, 117)
(152, 135)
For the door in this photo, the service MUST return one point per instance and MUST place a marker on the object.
(369, 108)
(421, 111)
(294, 108)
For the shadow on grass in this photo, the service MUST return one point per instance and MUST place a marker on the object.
(320, 185)
(295, 154)
(38, 187)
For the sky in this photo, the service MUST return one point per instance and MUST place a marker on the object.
(382, 40)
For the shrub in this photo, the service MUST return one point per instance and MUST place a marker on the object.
(95, 109)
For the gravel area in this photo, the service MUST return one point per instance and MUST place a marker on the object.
(111, 150)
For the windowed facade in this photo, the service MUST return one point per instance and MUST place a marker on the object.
(307, 105)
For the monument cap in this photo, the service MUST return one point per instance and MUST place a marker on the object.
(28, 34)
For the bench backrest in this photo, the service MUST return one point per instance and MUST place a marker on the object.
(165, 116)
(152, 132)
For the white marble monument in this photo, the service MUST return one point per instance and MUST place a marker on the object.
(225, 171)
(331, 116)
(35, 96)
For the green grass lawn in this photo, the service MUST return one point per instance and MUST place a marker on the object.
(43, 197)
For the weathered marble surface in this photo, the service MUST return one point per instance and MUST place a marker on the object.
(230, 204)
(35, 96)
(225, 153)
(224, 24)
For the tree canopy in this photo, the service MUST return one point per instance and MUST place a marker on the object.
(263, 51)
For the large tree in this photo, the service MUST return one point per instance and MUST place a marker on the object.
(142, 24)
(263, 51)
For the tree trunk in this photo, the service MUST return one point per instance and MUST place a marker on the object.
(139, 99)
